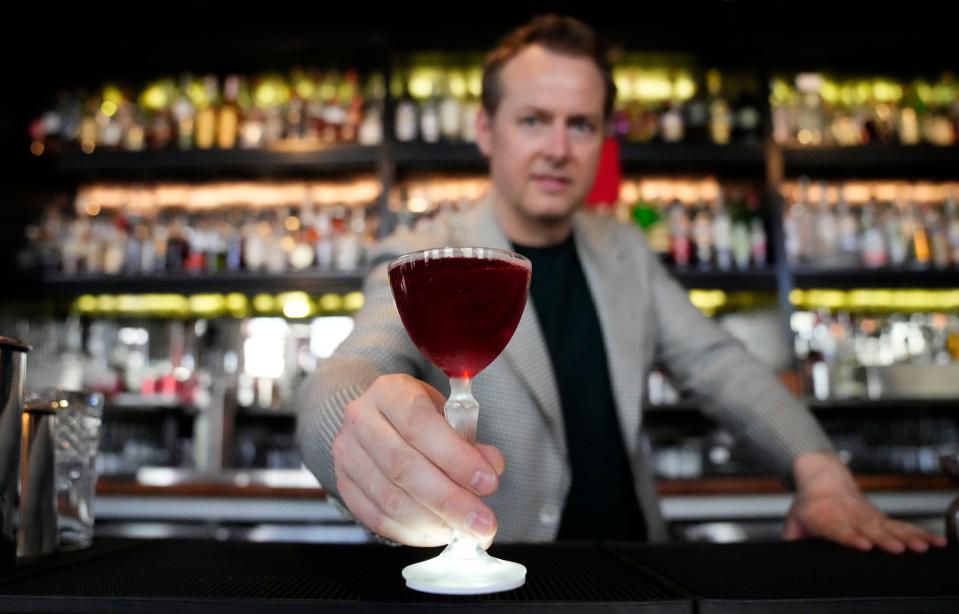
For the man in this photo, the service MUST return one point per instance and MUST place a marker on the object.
(562, 456)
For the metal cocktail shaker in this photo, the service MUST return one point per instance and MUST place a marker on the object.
(13, 362)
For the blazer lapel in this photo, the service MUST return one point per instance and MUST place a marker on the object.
(526, 352)
(616, 294)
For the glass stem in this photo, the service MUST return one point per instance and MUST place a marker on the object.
(461, 409)
(462, 412)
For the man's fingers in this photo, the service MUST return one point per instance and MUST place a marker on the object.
(411, 412)
(848, 536)
(373, 518)
(493, 456)
(439, 401)
(916, 538)
(878, 533)
(390, 499)
(407, 468)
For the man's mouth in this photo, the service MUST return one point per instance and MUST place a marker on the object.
(551, 183)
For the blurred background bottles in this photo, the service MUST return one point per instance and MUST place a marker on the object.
(680, 104)
(436, 99)
(174, 386)
(699, 223)
(872, 224)
(811, 109)
(206, 229)
(299, 110)
(854, 352)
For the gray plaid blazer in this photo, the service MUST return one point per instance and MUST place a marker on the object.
(646, 317)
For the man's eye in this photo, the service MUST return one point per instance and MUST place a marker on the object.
(529, 120)
(583, 126)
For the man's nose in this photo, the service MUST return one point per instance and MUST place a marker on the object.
(557, 145)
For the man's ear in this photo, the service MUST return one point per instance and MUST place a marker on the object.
(484, 131)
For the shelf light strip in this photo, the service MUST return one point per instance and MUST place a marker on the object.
(877, 299)
(293, 305)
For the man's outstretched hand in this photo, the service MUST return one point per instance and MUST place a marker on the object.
(829, 505)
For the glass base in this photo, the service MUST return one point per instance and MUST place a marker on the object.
(464, 569)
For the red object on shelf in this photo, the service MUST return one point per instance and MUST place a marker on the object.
(609, 175)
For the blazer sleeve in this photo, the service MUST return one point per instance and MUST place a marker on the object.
(738, 391)
(378, 345)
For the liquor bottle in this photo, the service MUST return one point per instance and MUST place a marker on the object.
(791, 236)
(916, 233)
(234, 244)
(648, 217)
(848, 231)
(758, 243)
(176, 247)
(134, 247)
(111, 132)
(671, 123)
(160, 132)
(303, 253)
(720, 116)
(680, 246)
(742, 244)
(349, 243)
(938, 240)
(206, 114)
(277, 250)
(703, 236)
(161, 241)
(296, 126)
(430, 116)
(352, 100)
(89, 130)
(748, 120)
(184, 114)
(251, 129)
(470, 105)
(450, 112)
(195, 246)
(827, 231)
(723, 235)
(895, 236)
(334, 109)
(72, 250)
(254, 249)
(371, 128)
(952, 229)
(874, 254)
(114, 249)
(135, 136)
(228, 119)
(324, 242)
(147, 264)
(910, 118)
(696, 111)
(406, 116)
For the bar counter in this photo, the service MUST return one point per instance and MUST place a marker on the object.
(145, 576)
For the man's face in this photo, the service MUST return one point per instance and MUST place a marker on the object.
(545, 138)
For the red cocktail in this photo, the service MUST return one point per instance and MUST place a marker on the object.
(460, 311)
(460, 306)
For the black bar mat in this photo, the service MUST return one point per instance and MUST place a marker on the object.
(236, 577)
(802, 577)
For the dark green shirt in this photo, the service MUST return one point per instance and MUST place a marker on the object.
(602, 502)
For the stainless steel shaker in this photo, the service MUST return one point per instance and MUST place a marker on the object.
(13, 361)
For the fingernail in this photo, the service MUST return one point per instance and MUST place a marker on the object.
(482, 482)
(480, 524)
